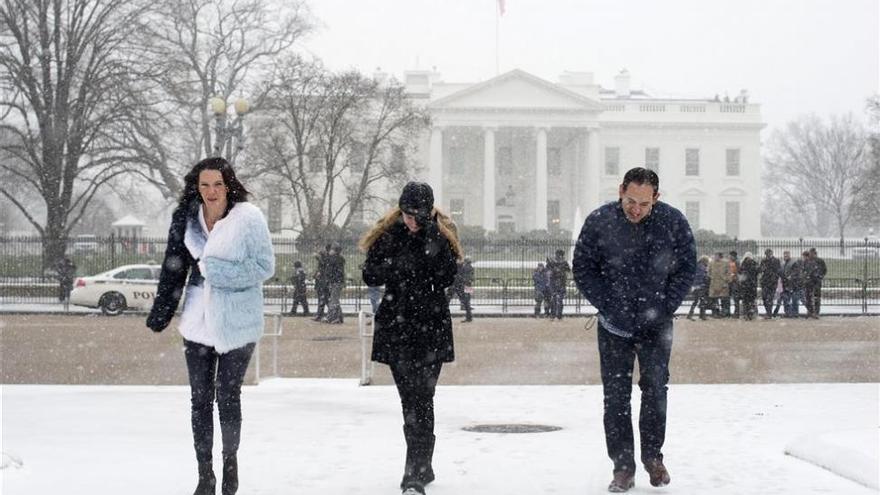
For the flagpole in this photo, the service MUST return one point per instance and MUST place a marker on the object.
(497, 22)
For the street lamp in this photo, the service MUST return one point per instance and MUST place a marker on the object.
(228, 131)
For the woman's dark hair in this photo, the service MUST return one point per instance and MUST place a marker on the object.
(642, 176)
(236, 191)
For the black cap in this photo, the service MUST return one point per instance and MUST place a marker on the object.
(417, 199)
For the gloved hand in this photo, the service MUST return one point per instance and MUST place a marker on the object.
(433, 239)
(154, 324)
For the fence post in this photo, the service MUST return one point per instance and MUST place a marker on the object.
(112, 249)
(865, 280)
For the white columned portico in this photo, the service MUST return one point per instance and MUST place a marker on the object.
(435, 166)
(541, 179)
(489, 179)
(592, 171)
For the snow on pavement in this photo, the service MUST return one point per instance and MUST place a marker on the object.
(322, 436)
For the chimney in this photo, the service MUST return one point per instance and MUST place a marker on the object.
(622, 84)
(380, 77)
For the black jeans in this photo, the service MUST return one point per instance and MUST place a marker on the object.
(768, 293)
(299, 299)
(616, 358)
(813, 297)
(223, 374)
(465, 299)
(557, 304)
(415, 385)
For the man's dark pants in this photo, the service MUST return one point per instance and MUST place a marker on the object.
(813, 296)
(616, 358)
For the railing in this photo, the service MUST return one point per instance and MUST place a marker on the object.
(277, 331)
(503, 267)
(366, 328)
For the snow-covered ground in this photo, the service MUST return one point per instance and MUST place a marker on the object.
(332, 437)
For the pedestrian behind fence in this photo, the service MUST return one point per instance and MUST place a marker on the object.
(771, 269)
(322, 282)
(791, 285)
(559, 269)
(719, 288)
(463, 287)
(748, 286)
(541, 281)
(298, 281)
(814, 273)
(65, 270)
(733, 275)
(335, 282)
(700, 289)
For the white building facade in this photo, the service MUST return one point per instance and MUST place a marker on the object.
(519, 153)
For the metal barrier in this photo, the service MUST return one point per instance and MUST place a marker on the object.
(366, 318)
(277, 333)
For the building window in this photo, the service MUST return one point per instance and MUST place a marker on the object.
(274, 214)
(692, 162)
(733, 162)
(398, 159)
(356, 158)
(505, 160)
(554, 162)
(553, 215)
(652, 159)
(731, 215)
(456, 210)
(316, 159)
(612, 161)
(692, 212)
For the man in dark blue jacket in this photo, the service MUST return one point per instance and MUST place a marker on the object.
(635, 261)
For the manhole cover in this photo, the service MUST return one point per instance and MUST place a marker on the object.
(511, 428)
(329, 338)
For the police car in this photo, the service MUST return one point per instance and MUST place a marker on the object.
(119, 289)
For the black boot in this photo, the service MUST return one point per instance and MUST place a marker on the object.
(230, 474)
(419, 455)
(207, 481)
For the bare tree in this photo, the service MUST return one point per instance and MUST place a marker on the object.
(867, 212)
(65, 69)
(203, 48)
(818, 168)
(333, 138)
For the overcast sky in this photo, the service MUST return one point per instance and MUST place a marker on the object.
(793, 56)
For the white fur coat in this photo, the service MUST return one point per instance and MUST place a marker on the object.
(234, 260)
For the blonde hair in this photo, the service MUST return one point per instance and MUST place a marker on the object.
(444, 224)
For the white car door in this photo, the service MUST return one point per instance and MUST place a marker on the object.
(138, 286)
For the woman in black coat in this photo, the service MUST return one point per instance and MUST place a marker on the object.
(748, 286)
(413, 250)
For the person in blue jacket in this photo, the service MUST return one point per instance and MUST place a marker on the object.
(219, 252)
(635, 261)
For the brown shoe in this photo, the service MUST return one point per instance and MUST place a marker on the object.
(658, 473)
(622, 482)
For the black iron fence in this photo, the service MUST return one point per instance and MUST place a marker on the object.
(503, 269)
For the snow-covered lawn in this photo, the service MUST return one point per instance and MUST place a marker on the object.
(332, 437)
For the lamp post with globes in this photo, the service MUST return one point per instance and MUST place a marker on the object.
(228, 131)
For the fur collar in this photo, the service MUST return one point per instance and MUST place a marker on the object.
(225, 240)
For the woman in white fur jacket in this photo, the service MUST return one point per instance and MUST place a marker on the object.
(221, 242)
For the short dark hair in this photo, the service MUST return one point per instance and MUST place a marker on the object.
(297, 264)
(641, 176)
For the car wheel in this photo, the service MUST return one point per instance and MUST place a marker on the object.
(112, 303)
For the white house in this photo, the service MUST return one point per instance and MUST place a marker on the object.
(517, 152)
